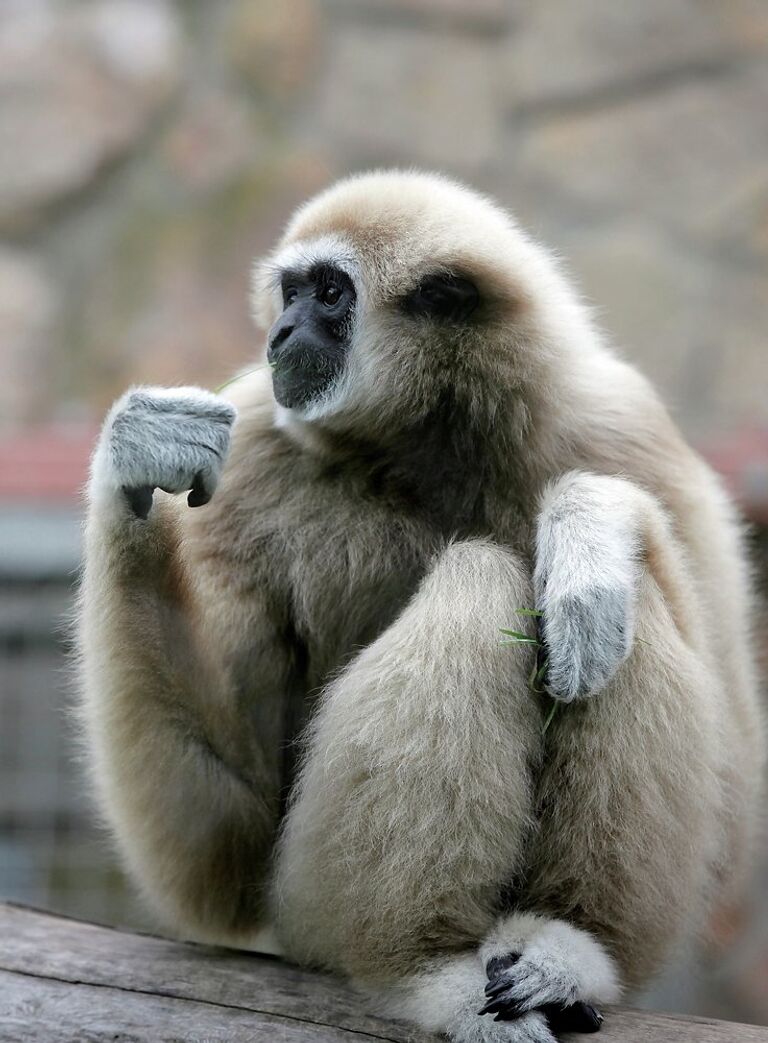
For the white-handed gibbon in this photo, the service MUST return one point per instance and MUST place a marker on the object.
(298, 703)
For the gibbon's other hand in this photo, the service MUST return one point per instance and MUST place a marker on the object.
(587, 636)
(174, 439)
(585, 582)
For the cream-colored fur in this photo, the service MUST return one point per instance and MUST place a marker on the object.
(349, 578)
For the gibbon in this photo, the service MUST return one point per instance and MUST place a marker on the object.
(299, 705)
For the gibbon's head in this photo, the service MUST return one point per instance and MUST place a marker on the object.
(393, 293)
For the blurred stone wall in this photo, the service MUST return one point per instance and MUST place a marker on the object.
(149, 148)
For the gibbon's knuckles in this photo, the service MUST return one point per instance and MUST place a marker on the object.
(496, 965)
(443, 440)
(586, 638)
(171, 439)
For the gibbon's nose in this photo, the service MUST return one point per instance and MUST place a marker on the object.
(281, 331)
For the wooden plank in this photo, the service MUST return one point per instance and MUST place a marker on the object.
(45, 1011)
(63, 980)
(642, 1026)
(69, 951)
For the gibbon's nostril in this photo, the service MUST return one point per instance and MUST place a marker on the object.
(278, 337)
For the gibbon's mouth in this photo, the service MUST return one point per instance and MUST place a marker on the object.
(298, 385)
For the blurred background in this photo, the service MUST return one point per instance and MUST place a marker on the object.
(150, 148)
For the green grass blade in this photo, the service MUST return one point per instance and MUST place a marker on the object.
(537, 677)
(549, 717)
(518, 635)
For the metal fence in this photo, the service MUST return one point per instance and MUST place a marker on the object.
(52, 852)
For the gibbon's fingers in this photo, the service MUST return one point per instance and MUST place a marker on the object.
(174, 439)
(139, 499)
(202, 490)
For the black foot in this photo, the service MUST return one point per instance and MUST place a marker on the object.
(578, 1017)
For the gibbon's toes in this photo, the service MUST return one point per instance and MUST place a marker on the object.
(498, 982)
(498, 964)
(530, 1028)
(524, 986)
(578, 1017)
(512, 994)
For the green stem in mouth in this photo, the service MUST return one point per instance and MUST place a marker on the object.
(239, 376)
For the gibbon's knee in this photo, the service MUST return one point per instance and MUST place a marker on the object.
(478, 581)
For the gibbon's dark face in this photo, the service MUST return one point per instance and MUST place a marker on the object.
(308, 345)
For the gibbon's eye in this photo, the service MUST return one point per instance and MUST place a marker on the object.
(451, 298)
(290, 293)
(330, 294)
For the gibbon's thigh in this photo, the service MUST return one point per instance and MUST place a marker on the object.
(629, 801)
(414, 802)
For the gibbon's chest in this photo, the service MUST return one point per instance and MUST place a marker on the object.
(339, 550)
(350, 565)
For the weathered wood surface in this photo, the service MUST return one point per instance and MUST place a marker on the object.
(63, 981)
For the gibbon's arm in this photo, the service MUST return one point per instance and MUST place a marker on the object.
(186, 779)
(594, 535)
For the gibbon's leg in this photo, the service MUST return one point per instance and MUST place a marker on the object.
(187, 778)
(634, 792)
(414, 802)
